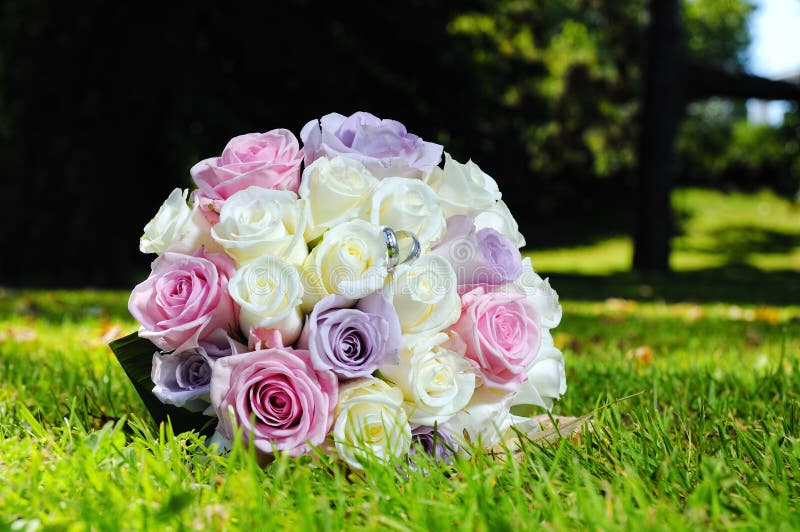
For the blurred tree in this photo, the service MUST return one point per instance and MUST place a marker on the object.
(718, 147)
(716, 32)
(707, 126)
(663, 94)
(566, 76)
(716, 144)
(570, 72)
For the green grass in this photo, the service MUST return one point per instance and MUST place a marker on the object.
(736, 248)
(714, 229)
(710, 438)
(710, 441)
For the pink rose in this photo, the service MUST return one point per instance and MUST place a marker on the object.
(501, 333)
(184, 300)
(277, 398)
(267, 160)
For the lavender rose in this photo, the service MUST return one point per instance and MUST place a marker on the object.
(479, 257)
(352, 342)
(433, 441)
(278, 400)
(184, 379)
(184, 300)
(219, 344)
(385, 147)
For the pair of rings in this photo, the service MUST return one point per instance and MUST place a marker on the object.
(391, 237)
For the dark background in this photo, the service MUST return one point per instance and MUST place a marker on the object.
(111, 104)
(105, 106)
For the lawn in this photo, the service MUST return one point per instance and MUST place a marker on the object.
(694, 381)
(713, 230)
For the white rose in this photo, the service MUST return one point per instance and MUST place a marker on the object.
(436, 382)
(425, 295)
(370, 422)
(540, 294)
(463, 188)
(547, 377)
(336, 190)
(521, 425)
(408, 205)
(499, 218)
(268, 291)
(178, 228)
(484, 421)
(258, 221)
(351, 261)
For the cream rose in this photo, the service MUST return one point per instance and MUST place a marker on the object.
(258, 221)
(351, 261)
(547, 377)
(177, 227)
(370, 422)
(409, 205)
(425, 295)
(436, 382)
(540, 294)
(463, 188)
(269, 292)
(336, 190)
(483, 422)
(499, 218)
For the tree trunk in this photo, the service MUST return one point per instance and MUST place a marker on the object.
(663, 105)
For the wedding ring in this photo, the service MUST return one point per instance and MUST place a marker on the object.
(415, 247)
(390, 237)
(392, 249)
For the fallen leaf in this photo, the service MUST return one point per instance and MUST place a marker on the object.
(752, 338)
(111, 333)
(20, 334)
(620, 305)
(768, 314)
(641, 356)
(561, 339)
(688, 311)
(741, 426)
(735, 313)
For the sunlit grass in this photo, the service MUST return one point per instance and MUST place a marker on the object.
(715, 229)
(711, 439)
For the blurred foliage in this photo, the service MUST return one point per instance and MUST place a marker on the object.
(566, 75)
(716, 32)
(718, 146)
(569, 71)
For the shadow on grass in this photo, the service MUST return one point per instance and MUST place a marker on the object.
(600, 212)
(728, 284)
(737, 242)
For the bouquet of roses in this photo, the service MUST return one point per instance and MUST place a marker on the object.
(352, 296)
